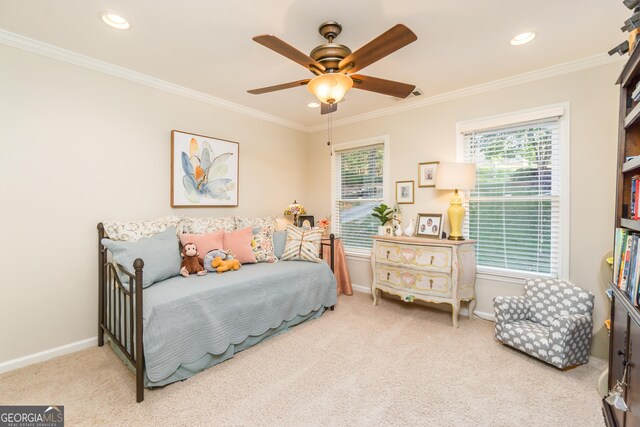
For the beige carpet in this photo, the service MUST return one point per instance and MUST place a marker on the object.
(393, 364)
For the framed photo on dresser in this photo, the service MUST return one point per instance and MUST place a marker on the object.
(429, 225)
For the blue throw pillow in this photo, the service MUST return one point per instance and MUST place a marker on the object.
(279, 242)
(160, 253)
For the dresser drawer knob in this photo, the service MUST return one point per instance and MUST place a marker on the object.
(432, 258)
(388, 275)
(388, 252)
(430, 283)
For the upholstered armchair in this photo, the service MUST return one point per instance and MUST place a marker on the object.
(551, 321)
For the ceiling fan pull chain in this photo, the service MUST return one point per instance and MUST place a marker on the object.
(329, 131)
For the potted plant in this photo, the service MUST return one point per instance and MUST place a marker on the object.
(384, 214)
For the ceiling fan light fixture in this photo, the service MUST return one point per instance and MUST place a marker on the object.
(330, 88)
(523, 38)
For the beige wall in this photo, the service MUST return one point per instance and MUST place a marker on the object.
(76, 140)
(79, 147)
(428, 134)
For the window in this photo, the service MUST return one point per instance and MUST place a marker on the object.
(359, 183)
(518, 208)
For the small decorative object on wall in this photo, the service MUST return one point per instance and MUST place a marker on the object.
(404, 192)
(429, 225)
(306, 221)
(295, 209)
(204, 171)
(427, 174)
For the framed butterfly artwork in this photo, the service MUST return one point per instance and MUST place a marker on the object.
(204, 171)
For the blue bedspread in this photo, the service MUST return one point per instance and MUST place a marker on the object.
(188, 318)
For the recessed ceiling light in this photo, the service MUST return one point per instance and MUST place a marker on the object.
(114, 20)
(313, 104)
(523, 38)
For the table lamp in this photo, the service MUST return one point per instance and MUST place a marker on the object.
(295, 209)
(456, 176)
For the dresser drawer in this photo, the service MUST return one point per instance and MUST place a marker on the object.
(435, 258)
(422, 282)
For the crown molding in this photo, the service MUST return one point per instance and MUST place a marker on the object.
(51, 51)
(528, 77)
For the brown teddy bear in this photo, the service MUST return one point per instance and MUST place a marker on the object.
(190, 262)
(225, 265)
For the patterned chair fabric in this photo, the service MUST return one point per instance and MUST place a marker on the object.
(551, 322)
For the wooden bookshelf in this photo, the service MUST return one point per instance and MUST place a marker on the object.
(624, 333)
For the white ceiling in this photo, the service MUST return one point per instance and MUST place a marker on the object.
(206, 45)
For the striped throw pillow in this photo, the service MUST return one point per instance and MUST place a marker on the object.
(302, 245)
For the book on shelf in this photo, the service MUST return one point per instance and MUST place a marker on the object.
(632, 201)
(619, 241)
(626, 263)
(633, 258)
(634, 211)
(624, 266)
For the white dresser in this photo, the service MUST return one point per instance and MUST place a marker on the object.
(415, 268)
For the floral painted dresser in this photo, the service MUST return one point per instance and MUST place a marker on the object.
(434, 270)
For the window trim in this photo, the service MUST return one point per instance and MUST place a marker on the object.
(562, 111)
(386, 174)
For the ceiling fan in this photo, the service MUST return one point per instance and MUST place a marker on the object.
(334, 64)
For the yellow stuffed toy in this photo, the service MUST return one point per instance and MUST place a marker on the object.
(225, 265)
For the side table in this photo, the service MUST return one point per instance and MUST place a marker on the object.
(340, 269)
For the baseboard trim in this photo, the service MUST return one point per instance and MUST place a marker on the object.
(463, 310)
(360, 288)
(42, 356)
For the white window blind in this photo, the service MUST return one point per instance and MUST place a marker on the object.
(514, 212)
(358, 186)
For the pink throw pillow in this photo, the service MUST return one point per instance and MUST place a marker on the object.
(239, 243)
(204, 242)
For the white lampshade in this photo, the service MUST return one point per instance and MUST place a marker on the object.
(330, 88)
(456, 176)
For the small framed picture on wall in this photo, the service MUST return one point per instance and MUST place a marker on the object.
(429, 225)
(404, 192)
(427, 174)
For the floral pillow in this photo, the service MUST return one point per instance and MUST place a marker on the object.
(135, 230)
(262, 244)
(264, 221)
(192, 225)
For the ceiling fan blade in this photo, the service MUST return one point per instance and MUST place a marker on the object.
(286, 50)
(387, 87)
(278, 87)
(328, 108)
(383, 45)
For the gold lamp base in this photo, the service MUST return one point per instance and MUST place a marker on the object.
(456, 216)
